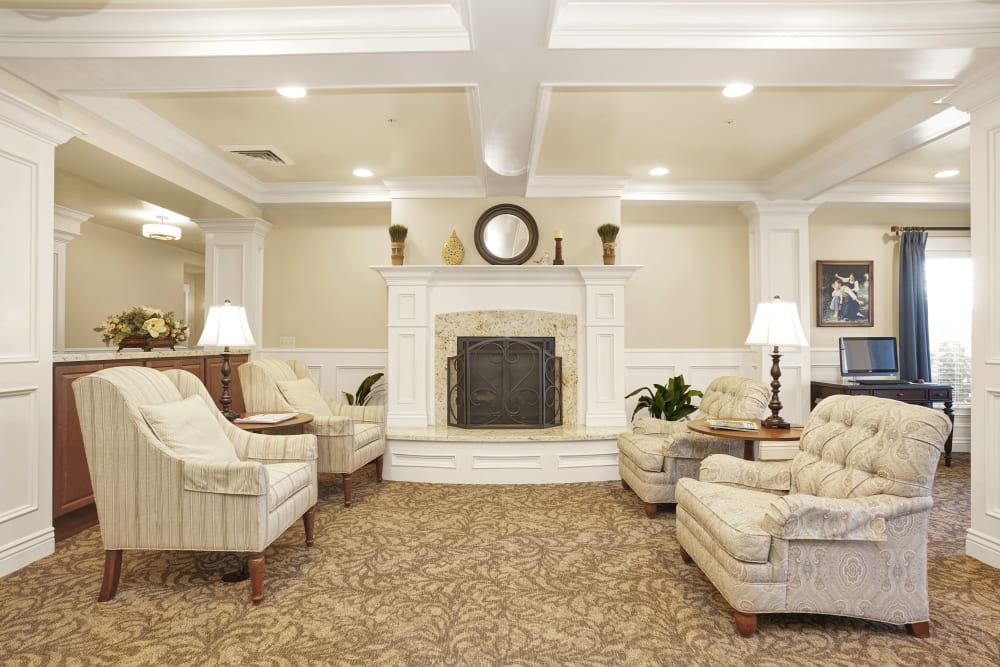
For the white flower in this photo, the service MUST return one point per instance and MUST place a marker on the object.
(155, 326)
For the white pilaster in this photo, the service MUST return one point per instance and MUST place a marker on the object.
(67, 228)
(779, 266)
(604, 332)
(28, 136)
(982, 99)
(234, 266)
(411, 342)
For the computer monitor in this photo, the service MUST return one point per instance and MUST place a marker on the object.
(868, 356)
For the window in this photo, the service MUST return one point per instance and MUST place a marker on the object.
(949, 313)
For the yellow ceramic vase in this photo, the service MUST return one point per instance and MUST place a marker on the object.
(453, 252)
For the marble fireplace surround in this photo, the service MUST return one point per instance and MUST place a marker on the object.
(426, 302)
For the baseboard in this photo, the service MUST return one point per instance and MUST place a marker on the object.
(26, 550)
(983, 547)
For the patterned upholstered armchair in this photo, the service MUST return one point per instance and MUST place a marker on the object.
(350, 436)
(657, 453)
(840, 529)
(170, 472)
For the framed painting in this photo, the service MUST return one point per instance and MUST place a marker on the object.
(844, 293)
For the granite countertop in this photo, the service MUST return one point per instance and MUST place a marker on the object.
(125, 355)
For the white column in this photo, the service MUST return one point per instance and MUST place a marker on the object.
(234, 266)
(28, 136)
(982, 100)
(67, 228)
(779, 266)
(604, 319)
(411, 348)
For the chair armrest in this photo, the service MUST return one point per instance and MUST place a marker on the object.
(327, 426)
(372, 414)
(273, 448)
(773, 476)
(802, 517)
(653, 426)
(241, 478)
(690, 445)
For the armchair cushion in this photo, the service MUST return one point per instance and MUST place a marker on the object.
(303, 395)
(732, 517)
(774, 476)
(645, 451)
(244, 478)
(189, 429)
(801, 517)
(286, 479)
(365, 434)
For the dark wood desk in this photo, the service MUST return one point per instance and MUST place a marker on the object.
(908, 392)
(749, 438)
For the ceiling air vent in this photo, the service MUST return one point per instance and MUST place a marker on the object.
(268, 154)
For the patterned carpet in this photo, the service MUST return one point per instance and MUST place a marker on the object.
(419, 574)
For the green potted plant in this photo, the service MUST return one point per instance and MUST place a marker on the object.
(671, 402)
(361, 396)
(608, 233)
(397, 235)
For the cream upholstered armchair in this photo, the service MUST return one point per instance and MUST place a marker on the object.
(840, 529)
(170, 472)
(350, 436)
(657, 453)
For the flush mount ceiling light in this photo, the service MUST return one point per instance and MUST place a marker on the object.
(361, 172)
(737, 89)
(161, 231)
(294, 92)
(659, 171)
(947, 173)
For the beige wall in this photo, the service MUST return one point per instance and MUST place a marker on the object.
(318, 287)
(863, 234)
(109, 271)
(692, 290)
(431, 221)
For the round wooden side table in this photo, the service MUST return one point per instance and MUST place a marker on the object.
(293, 425)
(749, 438)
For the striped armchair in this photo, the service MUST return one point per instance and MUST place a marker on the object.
(152, 495)
(349, 436)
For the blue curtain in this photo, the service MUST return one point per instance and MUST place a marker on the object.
(914, 344)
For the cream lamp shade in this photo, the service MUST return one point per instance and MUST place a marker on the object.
(776, 323)
(226, 326)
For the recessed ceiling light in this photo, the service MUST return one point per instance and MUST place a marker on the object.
(947, 173)
(294, 92)
(659, 171)
(361, 172)
(737, 89)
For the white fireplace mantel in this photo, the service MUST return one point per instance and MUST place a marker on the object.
(594, 294)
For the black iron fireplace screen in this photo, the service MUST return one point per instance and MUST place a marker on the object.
(505, 383)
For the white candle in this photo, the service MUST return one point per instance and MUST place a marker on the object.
(559, 234)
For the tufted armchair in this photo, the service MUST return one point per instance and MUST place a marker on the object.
(170, 472)
(350, 436)
(840, 529)
(657, 453)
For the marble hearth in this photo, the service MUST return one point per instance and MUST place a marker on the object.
(583, 307)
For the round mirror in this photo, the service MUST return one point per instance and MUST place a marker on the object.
(506, 234)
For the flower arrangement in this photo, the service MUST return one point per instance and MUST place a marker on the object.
(142, 321)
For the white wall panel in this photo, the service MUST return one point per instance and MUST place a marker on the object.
(19, 450)
(19, 258)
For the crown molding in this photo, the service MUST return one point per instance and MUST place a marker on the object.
(694, 192)
(25, 117)
(321, 193)
(230, 31)
(576, 186)
(863, 194)
(427, 187)
(976, 92)
(791, 24)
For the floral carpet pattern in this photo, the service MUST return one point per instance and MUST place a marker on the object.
(422, 574)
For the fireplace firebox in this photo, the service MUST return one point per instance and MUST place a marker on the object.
(512, 382)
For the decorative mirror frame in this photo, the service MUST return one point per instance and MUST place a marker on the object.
(506, 209)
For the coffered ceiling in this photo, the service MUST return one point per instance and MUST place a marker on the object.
(516, 97)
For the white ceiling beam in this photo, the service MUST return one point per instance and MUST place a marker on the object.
(230, 31)
(861, 194)
(908, 124)
(789, 24)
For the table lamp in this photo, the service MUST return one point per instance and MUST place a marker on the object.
(776, 323)
(226, 325)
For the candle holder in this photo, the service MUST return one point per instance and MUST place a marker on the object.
(559, 258)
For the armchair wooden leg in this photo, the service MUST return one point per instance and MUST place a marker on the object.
(625, 485)
(746, 624)
(347, 489)
(309, 523)
(256, 564)
(685, 556)
(921, 629)
(378, 469)
(112, 571)
(650, 510)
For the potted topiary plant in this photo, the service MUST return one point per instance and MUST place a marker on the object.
(397, 235)
(608, 233)
(671, 402)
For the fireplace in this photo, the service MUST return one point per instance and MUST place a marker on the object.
(505, 382)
